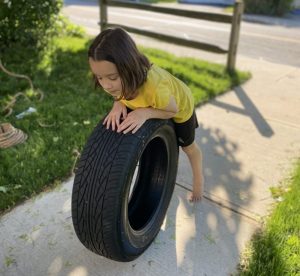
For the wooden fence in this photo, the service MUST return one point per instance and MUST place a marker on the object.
(234, 20)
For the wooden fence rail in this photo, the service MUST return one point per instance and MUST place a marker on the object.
(234, 20)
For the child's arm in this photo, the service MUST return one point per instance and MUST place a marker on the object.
(136, 118)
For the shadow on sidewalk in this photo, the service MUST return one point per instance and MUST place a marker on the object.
(249, 109)
(195, 240)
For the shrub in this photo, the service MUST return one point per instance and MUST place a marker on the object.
(27, 22)
(269, 7)
(64, 27)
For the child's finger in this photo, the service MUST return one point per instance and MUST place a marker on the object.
(105, 120)
(113, 124)
(122, 126)
(124, 113)
(108, 123)
(127, 129)
(136, 129)
(117, 123)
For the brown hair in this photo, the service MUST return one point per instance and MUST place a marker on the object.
(116, 46)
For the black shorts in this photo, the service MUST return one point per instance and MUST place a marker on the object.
(185, 131)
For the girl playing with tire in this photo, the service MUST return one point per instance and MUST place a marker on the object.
(146, 89)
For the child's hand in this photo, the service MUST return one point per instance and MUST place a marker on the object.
(113, 118)
(134, 120)
(197, 193)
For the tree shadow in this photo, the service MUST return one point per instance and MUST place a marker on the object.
(218, 229)
(221, 167)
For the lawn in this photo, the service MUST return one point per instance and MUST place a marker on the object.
(275, 249)
(71, 108)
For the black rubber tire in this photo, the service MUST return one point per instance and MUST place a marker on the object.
(109, 219)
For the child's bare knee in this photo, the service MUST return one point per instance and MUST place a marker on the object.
(189, 149)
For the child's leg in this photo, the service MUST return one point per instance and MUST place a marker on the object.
(195, 157)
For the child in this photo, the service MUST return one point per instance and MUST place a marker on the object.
(150, 91)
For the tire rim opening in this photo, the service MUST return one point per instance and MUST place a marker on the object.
(147, 187)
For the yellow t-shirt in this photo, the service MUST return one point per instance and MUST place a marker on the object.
(157, 90)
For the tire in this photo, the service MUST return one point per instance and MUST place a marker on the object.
(114, 215)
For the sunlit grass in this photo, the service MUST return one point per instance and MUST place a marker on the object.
(275, 250)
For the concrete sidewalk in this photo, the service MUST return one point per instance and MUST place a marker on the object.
(249, 137)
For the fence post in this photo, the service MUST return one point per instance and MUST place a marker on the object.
(234, 34)
(103, 14)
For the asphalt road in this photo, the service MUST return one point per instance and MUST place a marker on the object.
(275, 43)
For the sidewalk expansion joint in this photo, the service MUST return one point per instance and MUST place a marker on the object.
(233, 207)
(285, 123)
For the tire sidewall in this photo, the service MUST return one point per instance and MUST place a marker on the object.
(135, 242)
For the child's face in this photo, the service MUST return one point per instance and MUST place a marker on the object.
(108, 76)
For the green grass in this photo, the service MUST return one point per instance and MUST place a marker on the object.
(70, 110)
(229, 9)
(275, 250)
